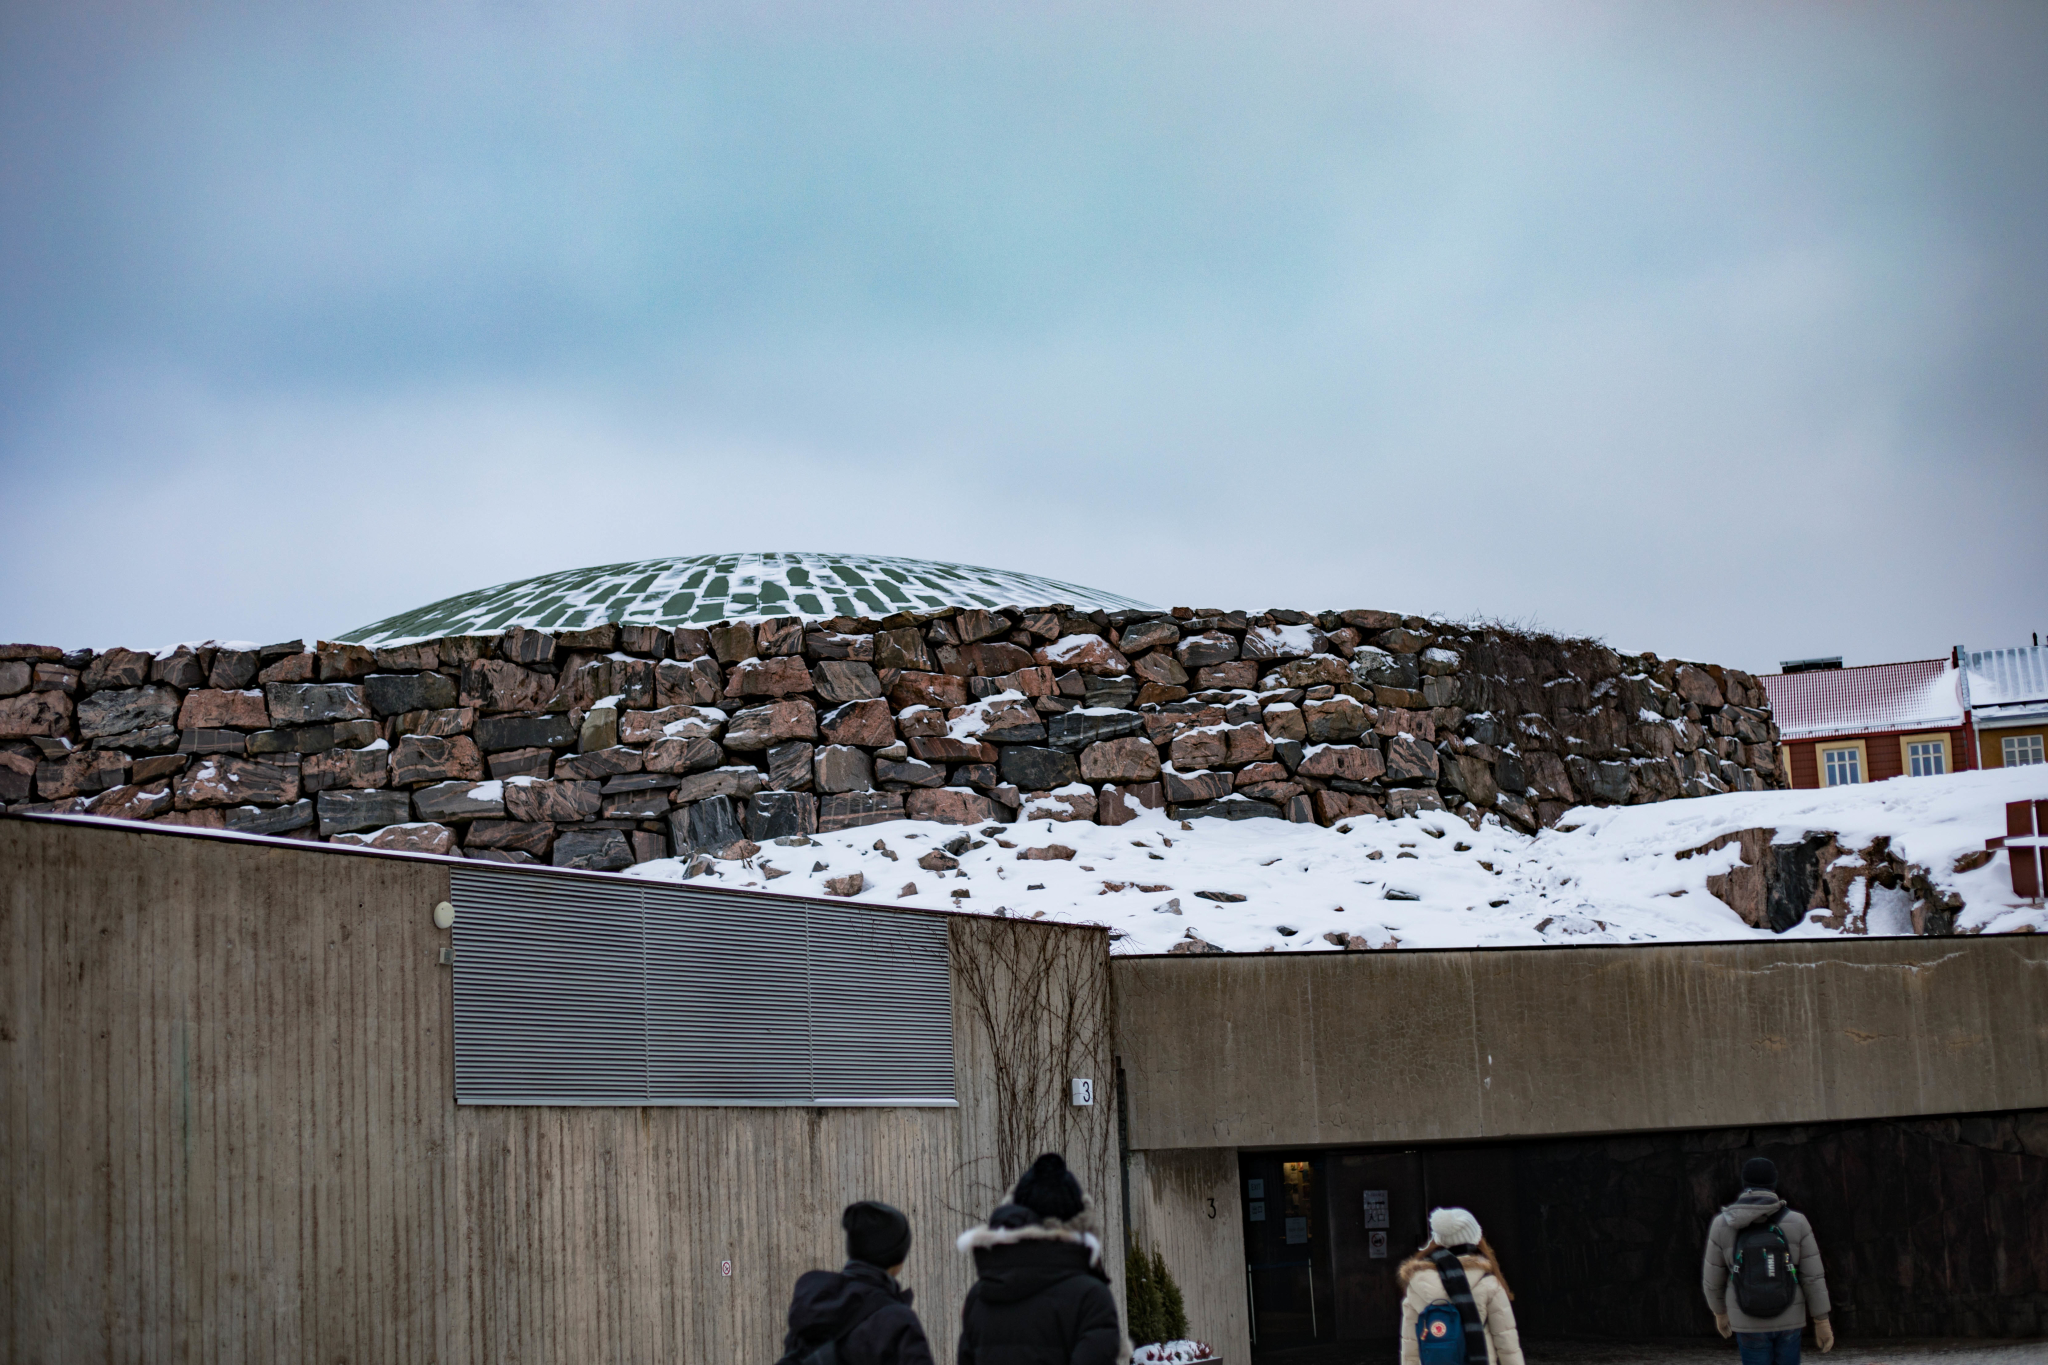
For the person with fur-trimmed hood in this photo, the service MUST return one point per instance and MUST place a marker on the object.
(1043, 1297)
(1456, 1231)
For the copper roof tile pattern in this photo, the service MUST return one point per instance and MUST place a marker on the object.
(698, 590)
(1918, 695)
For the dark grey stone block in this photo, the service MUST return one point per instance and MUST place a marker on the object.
(851, 810)
(275, 820)
(777, 815)
(448, 802)
(129, 709)
(641, 782)
(704, 826)
(1039, 770)
(392, 694)
(594, 850)
(640, 805)
(314, 739)
(789, 766)
(312, 703)
(213, 742)
(157, 739)
(1228, 810)
(1119, 692)
(1077, 729)
(343, 812)
(495, 733)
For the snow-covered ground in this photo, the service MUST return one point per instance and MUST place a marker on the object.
(1428, 881)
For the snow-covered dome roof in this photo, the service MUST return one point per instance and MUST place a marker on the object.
(697, 589)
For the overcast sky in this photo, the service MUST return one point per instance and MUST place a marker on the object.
(1717, 330)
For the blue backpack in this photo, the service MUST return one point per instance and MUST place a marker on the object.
(1449, 1332)
(1440, 1334)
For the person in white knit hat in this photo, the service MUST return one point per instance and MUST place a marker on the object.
(1456, 1305)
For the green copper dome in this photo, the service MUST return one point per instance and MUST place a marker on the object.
(698, 589)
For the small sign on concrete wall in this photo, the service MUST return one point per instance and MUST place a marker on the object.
(1376, 1245)
(1084, 1090)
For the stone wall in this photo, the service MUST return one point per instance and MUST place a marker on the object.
(1928, 1227)
(605, 747)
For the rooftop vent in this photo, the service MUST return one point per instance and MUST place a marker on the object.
(1809, 665)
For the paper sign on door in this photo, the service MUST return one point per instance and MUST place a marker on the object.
(1376, 1209)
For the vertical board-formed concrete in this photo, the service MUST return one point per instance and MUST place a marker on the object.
(1184, 1205)
(1363, 1048)
(230, 1135)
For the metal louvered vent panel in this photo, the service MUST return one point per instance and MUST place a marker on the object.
(569, 990)
(725, 988)
(550, 1007)
(881, 1007)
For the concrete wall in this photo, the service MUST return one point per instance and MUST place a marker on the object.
(1364, 1048)
(1185, 1206)
(230, 1134)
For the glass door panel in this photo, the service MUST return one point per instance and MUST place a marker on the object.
(1287, 1251)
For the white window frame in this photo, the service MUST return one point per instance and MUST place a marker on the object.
(1859, 763)
(1943, 760)
(2011, 746)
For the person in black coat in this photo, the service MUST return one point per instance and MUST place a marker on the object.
(862, 1307)
(1043, 1297)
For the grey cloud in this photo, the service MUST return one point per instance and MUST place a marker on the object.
(1718, 334)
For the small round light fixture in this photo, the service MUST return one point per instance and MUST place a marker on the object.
(444, 916)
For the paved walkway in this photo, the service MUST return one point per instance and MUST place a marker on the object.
(1845, 1353)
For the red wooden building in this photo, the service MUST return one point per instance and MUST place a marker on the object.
(1844, 725)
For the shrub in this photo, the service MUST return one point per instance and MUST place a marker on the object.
(1173, 1313)
(1141, 1295)
(1157, 1311)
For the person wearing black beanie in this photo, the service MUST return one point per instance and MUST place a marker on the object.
(860, 1311)
(1762, 1272)
(1042, 1296)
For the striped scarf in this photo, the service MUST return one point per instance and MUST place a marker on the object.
(1459, 1289)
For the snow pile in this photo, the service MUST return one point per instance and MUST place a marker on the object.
(1427, 881)
(1172, 1353)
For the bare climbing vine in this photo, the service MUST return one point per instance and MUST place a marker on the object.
(1039, 1000)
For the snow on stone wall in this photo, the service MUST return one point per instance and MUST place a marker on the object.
(612, 745)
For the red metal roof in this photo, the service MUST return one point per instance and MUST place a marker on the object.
(1920, 695)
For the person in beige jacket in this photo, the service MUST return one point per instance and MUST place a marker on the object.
(1457, 1231)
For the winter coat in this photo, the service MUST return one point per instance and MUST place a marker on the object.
(1764, 1206)
(1043, 1297)
(826, 1301)
(1423, 1286)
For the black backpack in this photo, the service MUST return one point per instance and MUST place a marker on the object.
(1766, 1280)
(827, 1352)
